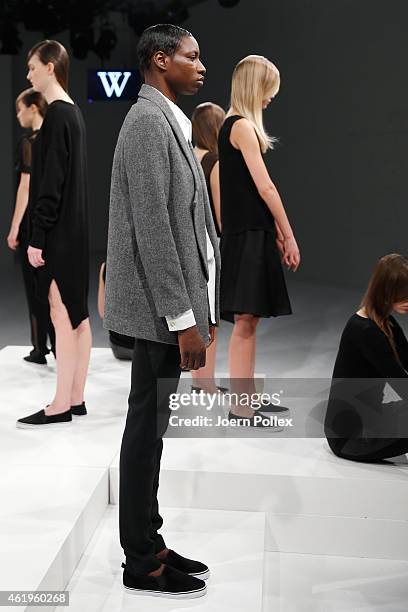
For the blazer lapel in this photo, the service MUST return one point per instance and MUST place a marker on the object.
(151, 94)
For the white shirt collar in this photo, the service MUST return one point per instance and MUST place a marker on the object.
(183, 121)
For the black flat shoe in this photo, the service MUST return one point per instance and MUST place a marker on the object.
(36, 357)
(256, 421)
(188, 566)
(199, 389)
(171, 583)
(79, 410)
(40, 418)
(272, 409)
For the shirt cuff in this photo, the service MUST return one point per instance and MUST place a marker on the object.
(182, 321)
(37, 238)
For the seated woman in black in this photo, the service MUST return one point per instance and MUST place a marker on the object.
(373, 351)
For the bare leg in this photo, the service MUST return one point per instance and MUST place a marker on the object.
(66, 349)
(84, 344)
(204, 377)
(242, 359)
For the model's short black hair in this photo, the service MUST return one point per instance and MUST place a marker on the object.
(161, 37)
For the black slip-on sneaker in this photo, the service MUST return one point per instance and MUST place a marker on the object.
(256, 421)
(40, 418)
(79, 410)
(36, 357)
(188, 566)
(272, 409)
(172, 584)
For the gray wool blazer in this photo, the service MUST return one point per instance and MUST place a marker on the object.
(159, 209)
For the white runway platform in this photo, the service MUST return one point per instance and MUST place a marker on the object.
(284, 525)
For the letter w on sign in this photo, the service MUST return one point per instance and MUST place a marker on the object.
(113, 86)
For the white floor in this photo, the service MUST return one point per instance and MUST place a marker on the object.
(335, 534)
(232, 543)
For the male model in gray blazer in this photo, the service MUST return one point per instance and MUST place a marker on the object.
(162, 288)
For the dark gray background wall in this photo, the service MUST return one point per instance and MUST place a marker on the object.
(6, 147)
(341, 118)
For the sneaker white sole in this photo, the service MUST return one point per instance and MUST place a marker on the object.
(202, 575)
(47, 425)
(33, 363)
(183, 595)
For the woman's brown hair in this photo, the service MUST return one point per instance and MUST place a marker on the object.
(29, 97)
(388, 284)
(52, 51)
(207, 120)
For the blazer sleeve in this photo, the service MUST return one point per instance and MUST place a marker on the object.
(147, 164)
(48, 202)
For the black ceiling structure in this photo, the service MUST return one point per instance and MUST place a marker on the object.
(90, 24)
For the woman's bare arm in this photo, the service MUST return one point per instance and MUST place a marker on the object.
(243, 137)
(101, 292)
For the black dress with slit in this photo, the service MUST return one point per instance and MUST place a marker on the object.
(58, 208)
(252, 278)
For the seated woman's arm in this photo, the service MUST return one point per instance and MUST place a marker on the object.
(378, 351)
(401, 341)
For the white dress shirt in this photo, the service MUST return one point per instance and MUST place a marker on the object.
(187, 319)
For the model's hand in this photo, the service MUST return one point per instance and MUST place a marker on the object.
(212, 335)
(12, 238)
(280, 243)
(291, 254)
(35, 257)
(192, 349)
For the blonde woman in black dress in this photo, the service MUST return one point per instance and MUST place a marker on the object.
(58, 245)
(256, 234)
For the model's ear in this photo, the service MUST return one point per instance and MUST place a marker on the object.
(50, 68)
(160, 60)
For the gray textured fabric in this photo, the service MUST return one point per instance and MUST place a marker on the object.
(159, 208)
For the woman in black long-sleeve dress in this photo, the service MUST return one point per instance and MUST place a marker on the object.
(373, 351)
(31, 108)
(58, 213)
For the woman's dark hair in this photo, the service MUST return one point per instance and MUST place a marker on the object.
(52, 51)
(388, 284)
(161, 37)
(207, 120)
(29, 97)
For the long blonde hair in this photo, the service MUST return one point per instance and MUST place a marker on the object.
(254, 78)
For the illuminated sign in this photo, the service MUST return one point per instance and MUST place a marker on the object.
(113, 84)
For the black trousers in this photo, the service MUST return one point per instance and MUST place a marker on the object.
(40, 321)
(368, 450)
(140, 455)
(389, 420)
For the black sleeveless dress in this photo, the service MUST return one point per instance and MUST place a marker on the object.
(58, 207)
(208, 162)
(252, 279)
